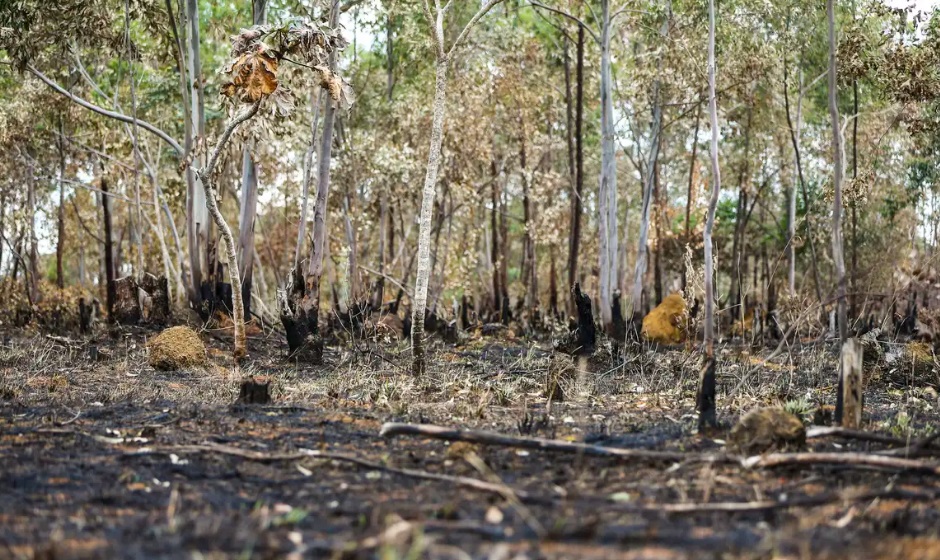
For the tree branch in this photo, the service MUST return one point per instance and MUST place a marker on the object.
(482, 12)
(111, 114)
(226, 134)
(536, 4)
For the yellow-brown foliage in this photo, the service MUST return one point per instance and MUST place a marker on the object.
(177, 348)
(765, 429)
(665, 324)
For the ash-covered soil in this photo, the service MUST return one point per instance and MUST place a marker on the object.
(112, 459)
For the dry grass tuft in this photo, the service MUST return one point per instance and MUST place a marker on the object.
(767, 428)
(665, 324)
(177, 348)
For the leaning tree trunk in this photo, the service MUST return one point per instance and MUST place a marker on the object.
(205, 176)
(837, 254)
(706, 397)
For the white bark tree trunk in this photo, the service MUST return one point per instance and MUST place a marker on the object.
(838, 172)
(641, 254)
(607, 191)
(838, 256)
(707, 389)
(315, 102)
(427, 204)
(197, 226)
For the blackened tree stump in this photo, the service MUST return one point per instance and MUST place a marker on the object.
(582, 340)
(255, 390)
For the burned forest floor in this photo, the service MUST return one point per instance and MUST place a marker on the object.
(109, 458)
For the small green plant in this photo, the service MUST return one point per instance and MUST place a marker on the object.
(900, 425)
(801, 407)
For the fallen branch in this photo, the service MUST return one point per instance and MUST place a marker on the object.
(919, 448)
(462, 481)
(816, 432)
(501, 489)
(391, 429)
(845, 459)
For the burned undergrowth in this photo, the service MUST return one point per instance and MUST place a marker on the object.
(114, 458)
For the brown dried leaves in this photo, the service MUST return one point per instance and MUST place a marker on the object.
(254, 75)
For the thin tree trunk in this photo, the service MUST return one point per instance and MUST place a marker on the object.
(33, 280)
(60, 243)
(108, 249)
(837, 255)
(353, 279)
(198, 231)
(427, 203)
(422, 274)
(316, 101)
(246, 227)
(494, 235)
(205, 176)
(688, 200)
(530, 273)
(138, 213)
(574, 240)
(307, 316)
(643, 241)
(607, 190)
(854, 275)
(249, 195)
(795, 140)
(389, 57)
(706, 397)
(740, 223)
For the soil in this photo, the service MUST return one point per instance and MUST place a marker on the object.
(109, 458)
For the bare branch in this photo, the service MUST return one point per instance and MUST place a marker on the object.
(226, 134)
(579, 21)
(486, 8)
(111, 114)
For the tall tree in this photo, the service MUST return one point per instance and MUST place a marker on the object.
(249, 197)
(706, 397)
(837, 174)
(443, 56)
(648, 181)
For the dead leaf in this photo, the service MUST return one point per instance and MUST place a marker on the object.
(254, 75)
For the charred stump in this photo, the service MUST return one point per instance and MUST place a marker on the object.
(157, 294)
(708, 416)
(87, 313)
(618, 325)
(126, 301)
(216, 297)
(255, 390)
(299, 309)
(465, 310)
(582, 339)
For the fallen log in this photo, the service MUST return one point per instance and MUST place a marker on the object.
(392, 429)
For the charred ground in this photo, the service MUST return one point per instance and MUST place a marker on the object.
(111, 458)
